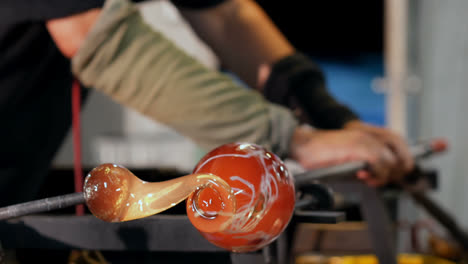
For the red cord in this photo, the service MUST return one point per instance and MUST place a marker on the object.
(76, 128)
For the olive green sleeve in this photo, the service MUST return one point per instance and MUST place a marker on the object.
(126, 59)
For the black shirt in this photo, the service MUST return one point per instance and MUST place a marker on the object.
(35, 84)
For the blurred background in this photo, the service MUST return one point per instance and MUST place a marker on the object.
(400, 64)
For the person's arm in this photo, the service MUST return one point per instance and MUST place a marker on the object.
(296, 81)
(138, 67)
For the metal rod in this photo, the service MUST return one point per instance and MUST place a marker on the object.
(306, 201)
(43, 205)
(443, 217)
(338, 171)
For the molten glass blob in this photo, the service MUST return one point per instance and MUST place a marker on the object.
(241, 197)
(263, 201)
(114, 194)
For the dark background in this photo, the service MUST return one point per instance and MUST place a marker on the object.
(330, 28)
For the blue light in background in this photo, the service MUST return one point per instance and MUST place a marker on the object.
(350, 82)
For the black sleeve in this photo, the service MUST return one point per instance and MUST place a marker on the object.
(296, 81)
(19, 11)
(197, 4)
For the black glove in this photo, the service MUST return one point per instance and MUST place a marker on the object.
(296, 82)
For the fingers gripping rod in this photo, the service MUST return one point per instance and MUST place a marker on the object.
(348, 169)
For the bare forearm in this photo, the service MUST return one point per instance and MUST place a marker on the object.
(242, 35)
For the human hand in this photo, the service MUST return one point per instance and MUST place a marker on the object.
(397, 145)
(316, 149)
(69, 32)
